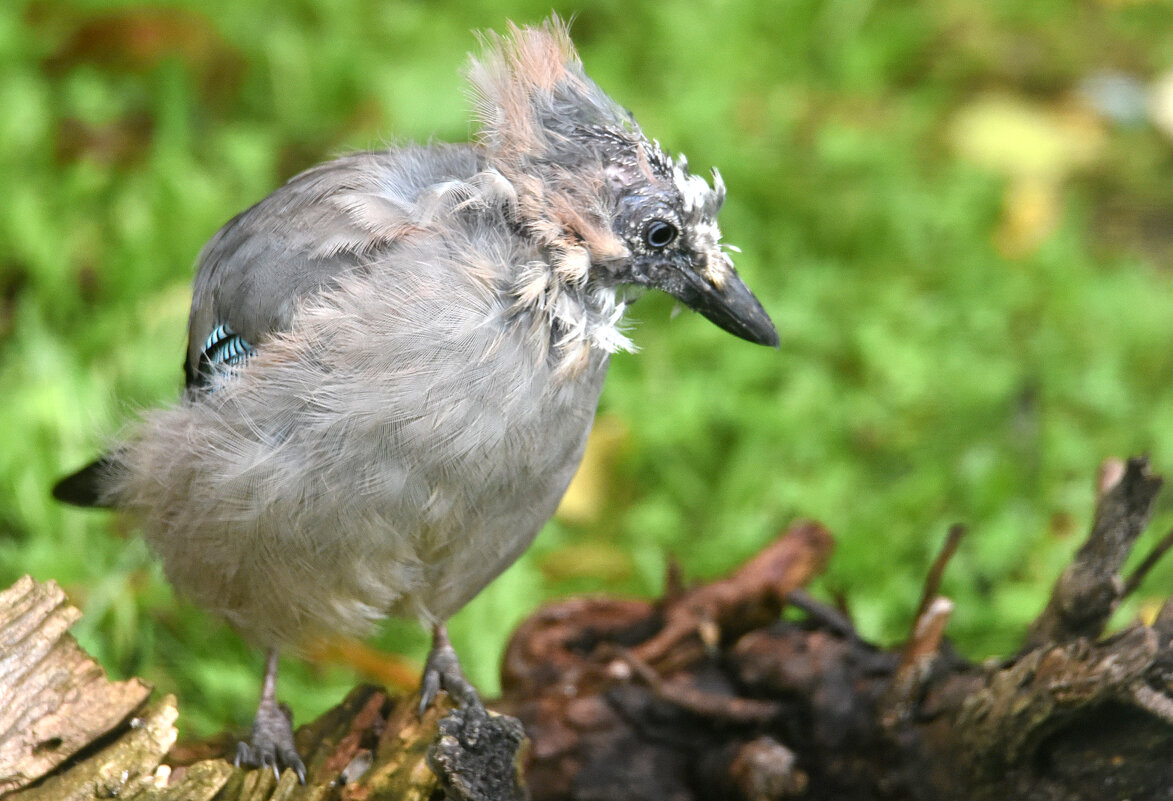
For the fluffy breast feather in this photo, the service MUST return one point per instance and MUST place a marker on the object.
(392, 452)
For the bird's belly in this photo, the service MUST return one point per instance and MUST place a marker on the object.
(337, 527)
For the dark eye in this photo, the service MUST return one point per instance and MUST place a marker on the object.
(659, 234)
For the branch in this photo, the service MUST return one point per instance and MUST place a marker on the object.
(1087, 592)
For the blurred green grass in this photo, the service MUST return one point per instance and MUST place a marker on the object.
(931, 371)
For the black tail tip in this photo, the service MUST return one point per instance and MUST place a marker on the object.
(84, 488)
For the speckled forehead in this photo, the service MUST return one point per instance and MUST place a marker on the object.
(697, 199)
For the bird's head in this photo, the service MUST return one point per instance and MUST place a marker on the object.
(667, 219)
(587, 179)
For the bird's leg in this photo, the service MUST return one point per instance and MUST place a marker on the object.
(442, 671)
(473, 754)
(271, 744)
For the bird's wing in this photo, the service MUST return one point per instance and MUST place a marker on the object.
(260, 267)
(266, 261)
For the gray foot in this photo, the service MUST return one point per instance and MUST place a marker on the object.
(442, 672)
(271, 743)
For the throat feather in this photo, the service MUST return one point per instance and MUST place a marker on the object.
(574, 316)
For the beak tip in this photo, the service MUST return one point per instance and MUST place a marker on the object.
(769, 339)
(759, 330)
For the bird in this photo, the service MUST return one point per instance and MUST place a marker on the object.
(394, 361)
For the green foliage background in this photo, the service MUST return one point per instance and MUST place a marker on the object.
(923, 378)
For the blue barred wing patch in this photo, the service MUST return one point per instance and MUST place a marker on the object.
(225, 346)
(222, 350)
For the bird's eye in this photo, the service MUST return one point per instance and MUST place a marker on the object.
(659, 234)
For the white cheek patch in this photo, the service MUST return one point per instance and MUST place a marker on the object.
(705, 234)
(706, 238)
(718, 267)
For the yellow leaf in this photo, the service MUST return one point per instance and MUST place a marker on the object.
(1021, 139)
(1161, 103)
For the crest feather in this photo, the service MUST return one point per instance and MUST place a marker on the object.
(532, 98)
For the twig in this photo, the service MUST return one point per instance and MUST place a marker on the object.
(924, 641)
(926, 637)
(1155, 702)
(686, 696)
(1108, 476)
(916, 661)
(1147, 564)
(937, 571)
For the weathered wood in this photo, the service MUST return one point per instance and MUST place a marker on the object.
(54, 700)
(71, 735)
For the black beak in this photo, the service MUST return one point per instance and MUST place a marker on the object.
(729, 303)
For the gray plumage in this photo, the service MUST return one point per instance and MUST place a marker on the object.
(421, 338)
(396, 441)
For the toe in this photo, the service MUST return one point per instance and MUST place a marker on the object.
(288, 757)
(245, 756)
(429, 686)
(269, 760)
(293, 762)
(442, 671)
(271, 746)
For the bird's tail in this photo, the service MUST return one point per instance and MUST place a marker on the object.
(84, 487)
